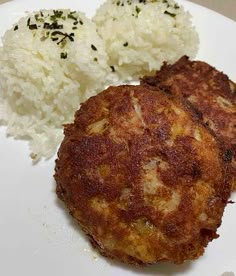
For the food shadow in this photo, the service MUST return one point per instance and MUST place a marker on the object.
(72, 222)
(159, 269)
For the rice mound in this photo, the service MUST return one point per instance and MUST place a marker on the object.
(46, 71)
(141, 34)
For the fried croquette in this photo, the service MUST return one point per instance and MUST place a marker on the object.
(142, 176)
(211, 94)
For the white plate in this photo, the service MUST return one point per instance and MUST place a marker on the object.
(37, 237)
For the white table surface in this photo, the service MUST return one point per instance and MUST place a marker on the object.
(225, 7)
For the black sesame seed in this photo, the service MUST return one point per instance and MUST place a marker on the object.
(170, 14)
(58, 13)
(16, 28)
(71, 16)
(63, 55)
(125, 44)
(112, 68)
(70, 36)
(93, 47)
(33, 27)
(46, 25)
(137, 9)
(57, 33)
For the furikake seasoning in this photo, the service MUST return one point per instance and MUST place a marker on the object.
(112, 68)
(64, 55)
(52, 27)
(93, 47)
(138, 8)
(170, 14)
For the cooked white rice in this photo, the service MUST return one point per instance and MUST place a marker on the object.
(141, 34)
(46, 72)
(47, 69)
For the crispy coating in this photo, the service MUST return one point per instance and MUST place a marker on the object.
(144, 179)
(211, 94)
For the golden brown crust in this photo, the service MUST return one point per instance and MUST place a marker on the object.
(142, 176)
(210, 93)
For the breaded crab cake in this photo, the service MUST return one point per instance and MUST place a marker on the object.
(211, 93)
(142, 176)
